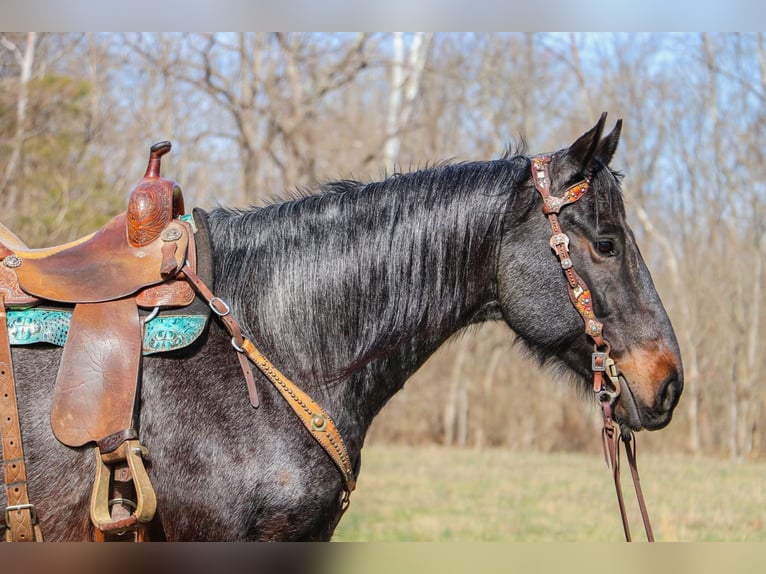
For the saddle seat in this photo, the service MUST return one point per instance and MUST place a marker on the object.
(11, 242)
(101, 267)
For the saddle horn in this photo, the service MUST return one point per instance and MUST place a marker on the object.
(155, 153)
(154, 201)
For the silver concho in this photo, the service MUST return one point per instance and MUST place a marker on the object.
(12, 261)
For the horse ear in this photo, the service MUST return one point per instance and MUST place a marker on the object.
(608, 145)
(584, 149)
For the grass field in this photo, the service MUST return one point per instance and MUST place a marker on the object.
(449, 495)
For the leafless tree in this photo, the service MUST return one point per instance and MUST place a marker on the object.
(25, 58)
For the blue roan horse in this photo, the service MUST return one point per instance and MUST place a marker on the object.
(348, 291)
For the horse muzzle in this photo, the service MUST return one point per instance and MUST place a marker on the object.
(645, 404)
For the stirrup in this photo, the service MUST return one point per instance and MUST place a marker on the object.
(132, 452)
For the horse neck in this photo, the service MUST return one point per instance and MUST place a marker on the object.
(350, 293)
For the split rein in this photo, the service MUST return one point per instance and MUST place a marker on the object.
(606, 377)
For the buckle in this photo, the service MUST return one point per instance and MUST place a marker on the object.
(559, 239)
(223, 311)
(30, 507)
(598, 361)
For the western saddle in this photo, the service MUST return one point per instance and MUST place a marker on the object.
(104, 280)
(106, 291)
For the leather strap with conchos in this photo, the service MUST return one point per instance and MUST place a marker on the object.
(314, 418)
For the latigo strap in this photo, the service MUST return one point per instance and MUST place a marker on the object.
(20, 515)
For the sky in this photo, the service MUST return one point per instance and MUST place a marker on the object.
(383, 15)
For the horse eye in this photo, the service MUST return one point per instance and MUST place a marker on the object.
(605, 246)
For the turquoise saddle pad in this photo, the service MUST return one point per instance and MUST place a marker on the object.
(161, 334)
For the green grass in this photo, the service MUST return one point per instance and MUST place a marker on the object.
(447, 495)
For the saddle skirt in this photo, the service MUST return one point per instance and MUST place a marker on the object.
(170, 330)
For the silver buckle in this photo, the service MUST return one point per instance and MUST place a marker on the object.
(226, 308)
(9, 509)
(594, 366)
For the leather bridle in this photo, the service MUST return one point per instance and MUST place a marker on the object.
(606, 377)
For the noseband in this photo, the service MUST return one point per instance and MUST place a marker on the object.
(606, 377)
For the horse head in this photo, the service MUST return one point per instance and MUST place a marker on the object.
(536, 299)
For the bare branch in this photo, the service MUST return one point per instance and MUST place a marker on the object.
(26, 61)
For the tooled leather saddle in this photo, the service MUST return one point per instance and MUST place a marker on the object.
(109, 299)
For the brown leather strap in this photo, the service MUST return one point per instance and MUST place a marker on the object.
(630, 450)
(578, 290)
(612, 456)
(314, 418)
(221, 309)
(20, 514)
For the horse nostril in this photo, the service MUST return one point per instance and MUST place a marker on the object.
(670, 392)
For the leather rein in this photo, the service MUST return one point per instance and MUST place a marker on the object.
(606, 377)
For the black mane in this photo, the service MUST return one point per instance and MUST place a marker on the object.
(308, 258)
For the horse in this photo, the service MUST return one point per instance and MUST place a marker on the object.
(348, 289)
